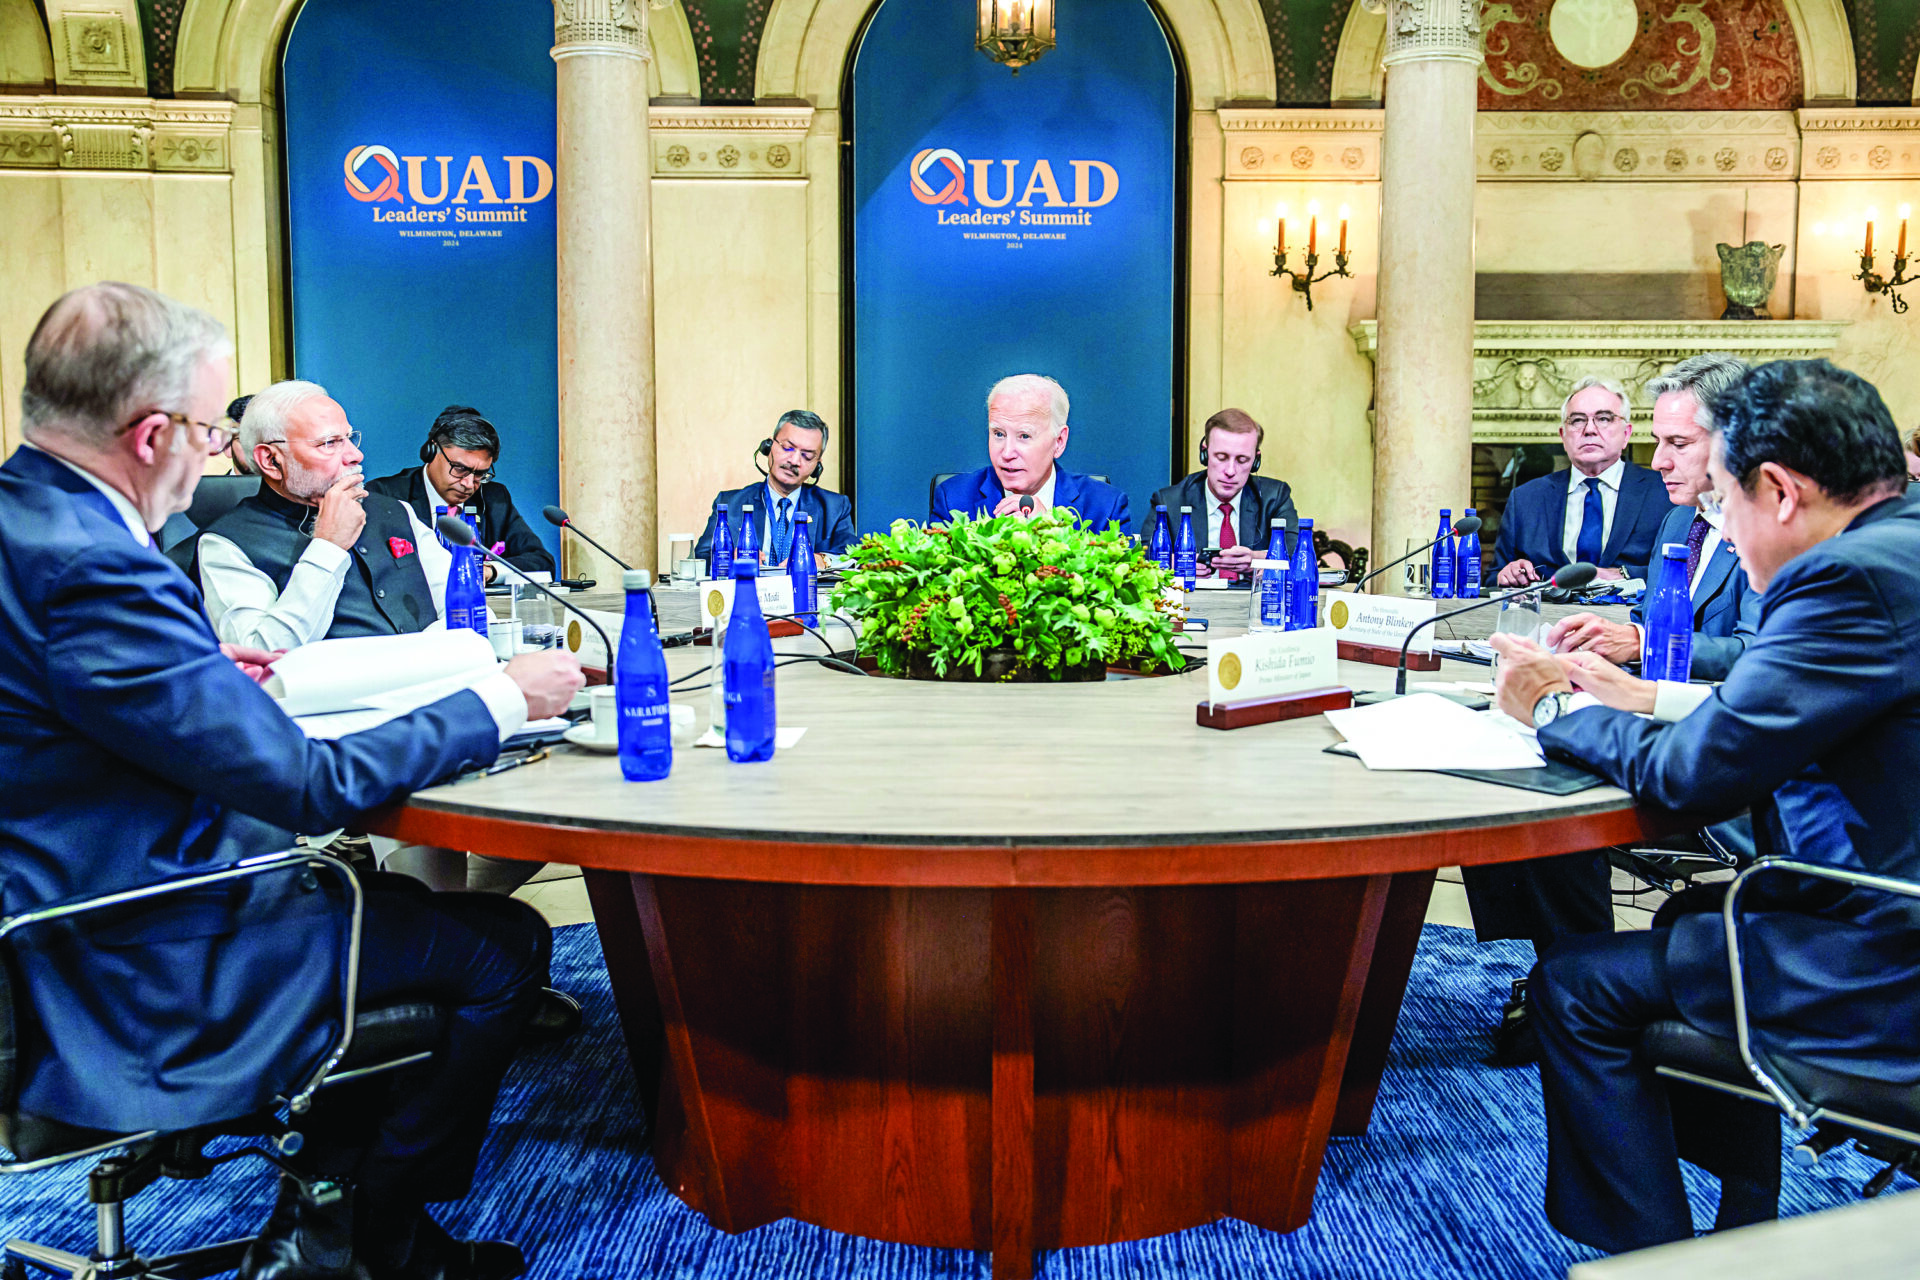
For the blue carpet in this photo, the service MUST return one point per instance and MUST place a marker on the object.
(1447, 1183)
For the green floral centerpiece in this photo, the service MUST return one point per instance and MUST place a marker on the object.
(1007, 598)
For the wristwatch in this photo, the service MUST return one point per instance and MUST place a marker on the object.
(1551, 708)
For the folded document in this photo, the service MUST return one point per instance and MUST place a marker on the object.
(1427, 731)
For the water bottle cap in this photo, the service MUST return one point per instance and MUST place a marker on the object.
(636, 580)
(1159, 506)
(1674, 550)
(1277, 523)
(801, 515)
(1184, 509)
(1306, 522)
(746, 506)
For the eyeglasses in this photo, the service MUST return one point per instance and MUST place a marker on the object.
(328, 447)
(219, 434)
(1603, 420)
(460, 472)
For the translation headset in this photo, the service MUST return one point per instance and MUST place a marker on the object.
(766, 451)
(1203, 455)
(440, 437)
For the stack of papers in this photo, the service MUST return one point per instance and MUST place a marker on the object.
(335, 687)
(1426, 731)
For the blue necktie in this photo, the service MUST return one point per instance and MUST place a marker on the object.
(782, 532)
(1591, 517)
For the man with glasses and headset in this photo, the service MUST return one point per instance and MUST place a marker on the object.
(459, 456)
(1604, 509)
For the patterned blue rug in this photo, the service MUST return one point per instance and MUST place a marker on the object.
(1447, 1183)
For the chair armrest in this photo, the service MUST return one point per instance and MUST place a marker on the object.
(244, 869)
(1797, 1108)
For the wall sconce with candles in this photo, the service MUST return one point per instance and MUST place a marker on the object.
(1303, 281)
(1873, 280)
(1014, 32)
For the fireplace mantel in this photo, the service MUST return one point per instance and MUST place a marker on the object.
(1523, 369)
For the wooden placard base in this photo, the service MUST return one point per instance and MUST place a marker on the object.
(775, 627)
(1290, 706)
(1380, 655)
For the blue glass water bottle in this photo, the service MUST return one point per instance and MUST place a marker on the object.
(1275, 584)
(437, 513)
(1160, 545)
(1186, 561)
(640, 687)
(803, 572)
(466, 597)
(748, 547)
(1440, 565)
(1303, 612)
(1467, 571)
(746, 670)
(720, 553)
(1669, 626)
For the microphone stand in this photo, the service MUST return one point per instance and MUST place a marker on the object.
(464, 538)
(1572, 576)
(1460, 530)
(561, 519)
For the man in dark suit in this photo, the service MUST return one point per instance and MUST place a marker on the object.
(456, 471)
(1603, 510)
(135, 747)
(794, 454)
(1235, 508)
(1812, 729)
(1026, 434)
(1546, 900)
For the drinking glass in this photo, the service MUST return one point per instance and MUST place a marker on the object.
(1416, 569)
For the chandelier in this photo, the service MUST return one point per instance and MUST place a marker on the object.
(1015, 32)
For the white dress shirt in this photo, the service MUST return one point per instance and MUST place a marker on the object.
(129, 516)
(1577, 502)
(247, 609)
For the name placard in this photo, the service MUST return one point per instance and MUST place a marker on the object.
(716, 597)
(1270, 663)
(1381, 620)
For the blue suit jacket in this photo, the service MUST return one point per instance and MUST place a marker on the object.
(979, 492)
(1817, 728)
(1535, 523)
(1726, 610)
(133, 751)
(832, 515)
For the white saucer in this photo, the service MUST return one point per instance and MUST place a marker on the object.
(581, 735)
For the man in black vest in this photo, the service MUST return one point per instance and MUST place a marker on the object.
(459, 455)
(312, 556)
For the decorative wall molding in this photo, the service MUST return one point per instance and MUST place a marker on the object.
(1524, 369)
(1431, 30)
(722, 142)
(1637, 146)
(613, 27)
(97, 44)
(1302, 146)
(116, 133)
(1857, 144)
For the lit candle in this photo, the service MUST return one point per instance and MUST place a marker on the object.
(1313, 227)
(1280, 246)
(1871, 215)
(1906, 211)
(1343, 229)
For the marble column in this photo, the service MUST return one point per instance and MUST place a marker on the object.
(1423, 394)
(602, 186)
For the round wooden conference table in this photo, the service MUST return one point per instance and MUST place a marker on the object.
(1007, 967)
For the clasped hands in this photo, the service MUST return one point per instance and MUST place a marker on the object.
(1529, 673)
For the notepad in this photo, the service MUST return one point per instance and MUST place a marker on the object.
(1427, 731)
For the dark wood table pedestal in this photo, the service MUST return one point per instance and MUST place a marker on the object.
(1005, 1068)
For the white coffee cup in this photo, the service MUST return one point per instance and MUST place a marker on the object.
(606, 713)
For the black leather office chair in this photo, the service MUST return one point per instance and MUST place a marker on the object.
(1675, 864)
(941, 477)
(1829, 1107)
(369, 1042)
(214, 496)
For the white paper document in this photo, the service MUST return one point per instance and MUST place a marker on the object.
(385, 673)
(1427, 731)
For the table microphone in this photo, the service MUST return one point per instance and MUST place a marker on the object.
(455, 530)
(1026, 504)
(560, 519)
(1568, 578)
(1461, 528)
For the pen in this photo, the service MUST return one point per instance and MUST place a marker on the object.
(515, 763)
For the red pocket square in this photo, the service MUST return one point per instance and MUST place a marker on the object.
(400, 547)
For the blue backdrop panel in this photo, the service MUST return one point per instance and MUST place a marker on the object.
(989, 265)
(419, 282)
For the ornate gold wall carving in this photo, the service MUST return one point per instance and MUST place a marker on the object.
(1871, 144)
(115, 133)
(721, 142)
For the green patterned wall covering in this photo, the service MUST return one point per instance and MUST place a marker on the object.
(1886, 39)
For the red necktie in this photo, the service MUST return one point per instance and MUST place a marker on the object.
(1226, 535)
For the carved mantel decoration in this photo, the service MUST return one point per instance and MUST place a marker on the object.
(177, 136)
(729, 142)
(1524, 369)
(616, 28)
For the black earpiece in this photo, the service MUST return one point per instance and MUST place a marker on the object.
(431, 447)
(766, 451)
